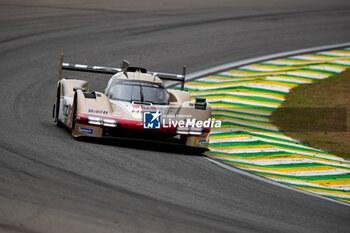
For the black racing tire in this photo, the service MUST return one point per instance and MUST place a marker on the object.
(56, 108)
(74, 113)
(183, 139)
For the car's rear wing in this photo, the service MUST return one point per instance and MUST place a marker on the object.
(124, 67)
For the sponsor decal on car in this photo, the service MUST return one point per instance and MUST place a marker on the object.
(148, 107)
(98, 111)
(86, 130)
(144, 107)
(202, 142)
(151, 119)
(118, 115)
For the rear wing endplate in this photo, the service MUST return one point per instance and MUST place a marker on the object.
(112, 70)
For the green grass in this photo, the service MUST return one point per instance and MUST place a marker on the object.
(317, 114)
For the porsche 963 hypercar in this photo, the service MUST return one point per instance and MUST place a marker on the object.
(135, 103)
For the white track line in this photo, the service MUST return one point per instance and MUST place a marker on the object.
(260, 178)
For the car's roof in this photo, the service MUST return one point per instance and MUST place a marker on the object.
(138, 76)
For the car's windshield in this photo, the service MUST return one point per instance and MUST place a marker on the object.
(141, 91)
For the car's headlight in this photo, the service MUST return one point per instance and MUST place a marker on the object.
(182, 130)
(109, 122)
(94, 120)
(190, 130)
(197, 131)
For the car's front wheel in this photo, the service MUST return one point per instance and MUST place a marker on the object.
(56, 108)
(74, 115)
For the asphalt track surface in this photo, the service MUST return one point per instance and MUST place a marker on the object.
(50, 182)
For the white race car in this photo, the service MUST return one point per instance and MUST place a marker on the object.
(135, 104)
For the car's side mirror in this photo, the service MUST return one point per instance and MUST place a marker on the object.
(79, 88)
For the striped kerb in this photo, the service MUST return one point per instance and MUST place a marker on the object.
(244, 98)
